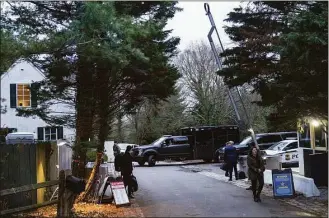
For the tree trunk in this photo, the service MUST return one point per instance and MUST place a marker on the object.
(84, 116)
(119, 125)
(84, 195)
(103, 109)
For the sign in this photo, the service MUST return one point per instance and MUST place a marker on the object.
(119, 193)
(290, 157)
(283, 184)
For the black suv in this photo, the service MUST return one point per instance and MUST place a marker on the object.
(264, 141)
(173, 147)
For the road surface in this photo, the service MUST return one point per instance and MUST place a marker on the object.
(172, 191)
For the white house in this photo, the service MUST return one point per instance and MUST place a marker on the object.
(15, 90)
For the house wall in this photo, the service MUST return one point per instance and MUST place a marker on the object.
(24, 72)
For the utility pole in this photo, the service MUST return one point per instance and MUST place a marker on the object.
(220, 66)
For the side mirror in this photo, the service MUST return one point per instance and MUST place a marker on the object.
(163, 144)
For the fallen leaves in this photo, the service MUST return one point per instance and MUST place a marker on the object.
(82, 210)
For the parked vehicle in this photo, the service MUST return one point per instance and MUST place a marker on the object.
(194, 143)
(287, 149)
(173, 147)
(264, 141)
(121, 147)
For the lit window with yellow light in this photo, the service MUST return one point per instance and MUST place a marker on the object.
(23, 95)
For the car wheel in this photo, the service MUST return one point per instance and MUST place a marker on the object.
(141, 163)
(151, 160)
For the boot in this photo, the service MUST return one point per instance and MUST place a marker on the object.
(258, 197)
(255, 197)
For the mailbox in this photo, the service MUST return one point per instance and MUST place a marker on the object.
(74, 184)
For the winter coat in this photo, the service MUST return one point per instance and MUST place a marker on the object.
(230, 155)
(254, 164)
(127, 164)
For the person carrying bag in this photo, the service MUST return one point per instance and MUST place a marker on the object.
(256, 170)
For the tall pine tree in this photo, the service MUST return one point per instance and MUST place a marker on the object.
(282, 52)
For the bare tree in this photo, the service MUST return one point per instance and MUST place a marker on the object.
(204, 91)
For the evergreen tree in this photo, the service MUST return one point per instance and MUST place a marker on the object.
(98, 59)
(282, 52)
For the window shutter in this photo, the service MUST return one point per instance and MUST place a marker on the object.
(13, 97)
(40, 133)
(60, 132)
(34, 97)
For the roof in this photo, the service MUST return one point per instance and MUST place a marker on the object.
(290, 140)
(210, 127)
(18, 62)
(274, 133)
(22, 133)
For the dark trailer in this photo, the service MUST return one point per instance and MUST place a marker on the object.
(205, 140)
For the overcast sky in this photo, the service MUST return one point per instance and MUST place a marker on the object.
(193, 24)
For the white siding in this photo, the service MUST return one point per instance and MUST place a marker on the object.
(23, 72)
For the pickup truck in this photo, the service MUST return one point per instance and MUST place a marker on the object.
(166, 147)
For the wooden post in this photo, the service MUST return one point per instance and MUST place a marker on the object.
(66, 197)
(61, 189)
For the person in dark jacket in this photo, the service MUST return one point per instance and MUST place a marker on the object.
(127, 170)
(253, 146)
(231, 159)
(256, 170)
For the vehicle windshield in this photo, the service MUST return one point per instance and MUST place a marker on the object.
(158, 141)
(245, 141)
(124, 146)
(278, 146)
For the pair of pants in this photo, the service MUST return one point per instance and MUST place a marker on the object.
(127, 182)
(232, 166)
(260, 180)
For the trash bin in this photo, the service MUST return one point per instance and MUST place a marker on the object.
(318, 165)
(242, 165)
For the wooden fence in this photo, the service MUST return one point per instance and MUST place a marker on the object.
(64, 202)
(17, 168)
(26, 188)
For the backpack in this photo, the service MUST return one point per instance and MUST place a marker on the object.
(241, 175)
(134, 184)
(118, 162)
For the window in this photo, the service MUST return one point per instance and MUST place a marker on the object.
(269, 139)
(321, 138)
(169, 141)
(50, 133)
(180, 140)
(289, 135)
(23, 95)
(304, 136)
(293, 145)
